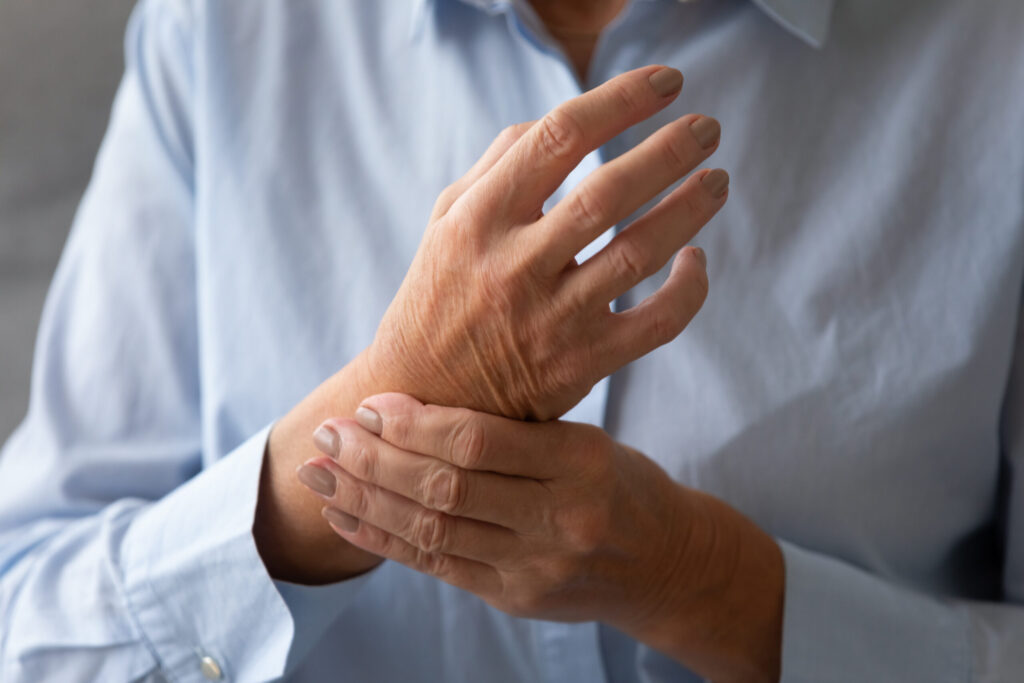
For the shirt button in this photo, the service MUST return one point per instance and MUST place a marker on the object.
(210, 668)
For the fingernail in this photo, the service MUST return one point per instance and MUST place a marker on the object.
(369, 420)
(342, 520)
(318, 479)
(701, 256)
(716, 181)
(666, 81)
(327, 440)
(706, 130)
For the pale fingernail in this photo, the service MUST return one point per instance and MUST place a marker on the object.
(342, 520)
(707, 131)
(369, 420)
(716, 181)
(318, 479)
(666, 81)
(701, 256)
(327, 440)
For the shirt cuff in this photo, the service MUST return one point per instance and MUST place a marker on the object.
(198, 587)
(842, 624)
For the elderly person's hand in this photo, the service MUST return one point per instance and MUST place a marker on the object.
(555, 521)
(496, 315)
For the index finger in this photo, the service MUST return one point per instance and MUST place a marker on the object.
(541, 159)
(465, 438)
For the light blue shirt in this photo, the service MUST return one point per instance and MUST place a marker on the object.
(855, 382)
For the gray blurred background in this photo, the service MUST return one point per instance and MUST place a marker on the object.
(60, 63)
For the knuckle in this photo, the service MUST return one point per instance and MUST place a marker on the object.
(560, 135)
(509, 134)
(399, 428)
(364, 462)
(429, 531)
(630, 261)
(385, 544)
(560, 572)
(467, 443)
(694, 206)
(448, 195)
(626, 96)
(666, 325)
(588, 532)
(519, 129)
(359, 501)
(586, 208)
(446, 490)
(676, 156)
(435, 564)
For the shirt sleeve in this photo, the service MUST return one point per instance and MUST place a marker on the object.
(842, 623)
(124, 553)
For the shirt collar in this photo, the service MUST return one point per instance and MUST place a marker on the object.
(807, 19)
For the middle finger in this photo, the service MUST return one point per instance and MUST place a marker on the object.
(618, 188)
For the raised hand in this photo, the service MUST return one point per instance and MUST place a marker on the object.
(496, 315)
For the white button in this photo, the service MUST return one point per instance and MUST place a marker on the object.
(210, 668)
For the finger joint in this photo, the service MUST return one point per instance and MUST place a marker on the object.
(665, 326)
(364, 463)
(467, 445)
(445, 490)
(630, 261)
(586, 209)
(560, 135)
(434, 564)
(358, 500)
(430, 531)
(675, 155)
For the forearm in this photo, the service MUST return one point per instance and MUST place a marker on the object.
(724, 605)
(296, 544)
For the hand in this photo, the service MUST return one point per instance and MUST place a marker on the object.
(555, 521)
(495, 314)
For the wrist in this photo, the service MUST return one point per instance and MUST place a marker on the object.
(293, 540)
(722, 616)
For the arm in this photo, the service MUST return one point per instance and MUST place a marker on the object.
(109, 566)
